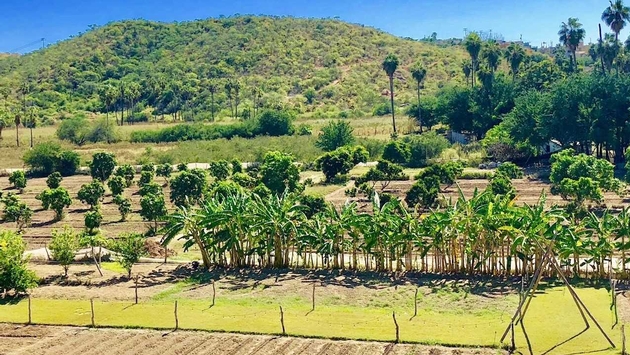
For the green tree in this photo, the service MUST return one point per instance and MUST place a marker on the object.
(130, 248)
(275, 123)
(124, 206)
(14, 272)
(491, 53)
(515, 55)
(510, 170)
(55, 199)
(335, 134)
(397, 151)
(153, 209)
(92, 193)
(616, 16)
(102, 166)
(571, 34)
(423, 193)
(18, 180)
(279, 173)
(54, 180)
(188, 187)
(220, 170)
(473, 44)
(237, 166)
(63, 247)
(127, 172)
(165, 171)
(116, 185)
(419, 73)
(93, 220)
(390, 64)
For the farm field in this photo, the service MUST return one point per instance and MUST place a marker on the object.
(453, 311)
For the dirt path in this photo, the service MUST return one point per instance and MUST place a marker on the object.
(35, 340)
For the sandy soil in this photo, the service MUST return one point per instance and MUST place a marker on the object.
(34, 340)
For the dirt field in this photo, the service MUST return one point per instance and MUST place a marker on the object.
(33, 340)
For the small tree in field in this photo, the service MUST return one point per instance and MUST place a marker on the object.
(130, 248)
(54, 180)
(153, 208)
(423, 193)
(152, 188)
(510, 170)
(340, 161)
(55, 199)
(165, 171)
(63, 247)
(335, 135)
(126, 172)
(117, 185)
(102, 166)
(397, 152)
(279, 173)
(220, 170)
(188, 187)
(124, 206)
(93, 220)
(145, 178)
(14, 272)
(237, 166)
(18, 180)
(92, 193)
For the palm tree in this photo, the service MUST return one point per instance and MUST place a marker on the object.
(186, 224)
(491, 52)
(571, 35)
(467, 70)
(615, 16)
(212, 87)
(418, 72)
(473, 47)
(17, 120)
(514, 54)
(390, 64)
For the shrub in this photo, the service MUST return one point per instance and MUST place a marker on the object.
(54, 180)
(382, 109)
(182, 167)
(14, 272)
(16, 211)
(274, 123)
(93, 220)
(102, 166)
(340, 161)
(151, 188)
(63, 247)
(124, 206)
(91, 194)
(237, 166)
(222, 189)
(279, 173)
(188, 132)
(48, 157)
(423, 193)
(188, 187)
(262, 191)
(446, 173)
(127, 172)
(150, 167)
(313, 204)
(476, 175)
(220, 170)
(335, 134)
(117, 185)
(146, 177)
(510, 170)
(165, 171)
(80, 131)
(130, 248)
(424, 147)
(153, 208)
(397, 151)
(55, 199)
(500, 184)
(304, 130)
(244, 180)
(18, 180)
(384, 172)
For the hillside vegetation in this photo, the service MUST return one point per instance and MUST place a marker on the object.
(318, 67)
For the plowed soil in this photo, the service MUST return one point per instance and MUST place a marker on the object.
(35, 340)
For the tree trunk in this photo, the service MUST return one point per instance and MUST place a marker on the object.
(391, 98)
(419, 110)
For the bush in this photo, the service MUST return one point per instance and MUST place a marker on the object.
(18, 180)
(54, 180)
(313, 204)
(424, 147)
(91, 194)
(335, 134)
(124, 206)
(93, 220)
(55, 199)
(510, 170)
(79, 131)
(476, 175)
(423, 193)
(340, 161)
(130, 247)
(304, 130)
(244, 180)
(16, 211)
(188, 132)
(237, 166)
(127, 172)
(151, 188)
(153, 208)
(146, 177)
(188, 187)
(48, 157)
(117, 185)
(279, 173)
(220, 170)
(63, 247)
(182, 167)
(446, 173)
(382, 109)
(14, 272)
(165, 171)
(274, 123)
(102, 166)
(397, 151)
(500, 184)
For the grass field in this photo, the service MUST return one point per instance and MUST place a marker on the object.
(552, 318)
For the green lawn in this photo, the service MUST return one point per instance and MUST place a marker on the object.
(552, 319)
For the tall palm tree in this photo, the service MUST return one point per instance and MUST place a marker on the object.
(571, 35)
(17, 121)
(467, 69)
(390, 64)
(419, 73)
(212, 87)
(472, 43)
(514, 54)
(615, 16)
(491, 53)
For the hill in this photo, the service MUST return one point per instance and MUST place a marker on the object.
(165, 67)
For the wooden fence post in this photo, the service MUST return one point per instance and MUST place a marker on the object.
(92, 309)
(176, 318)
(313, 309)
(214, 293)
(30, 313)
(623, 340)
(136, 287)
(284, 332)
(397, 329)
(415, 303)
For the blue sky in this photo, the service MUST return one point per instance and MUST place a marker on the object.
(25, 21)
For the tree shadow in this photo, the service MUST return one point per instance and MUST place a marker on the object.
(12, 299)
(565, 341)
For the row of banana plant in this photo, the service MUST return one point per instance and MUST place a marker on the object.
(484, 234)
